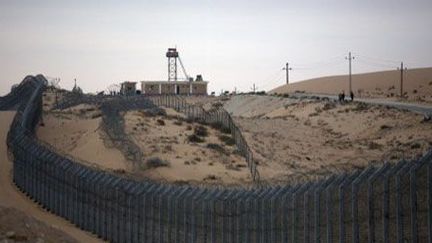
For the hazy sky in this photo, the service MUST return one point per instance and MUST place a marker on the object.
(231, 43)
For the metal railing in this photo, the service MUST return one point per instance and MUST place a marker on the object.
(389, 203)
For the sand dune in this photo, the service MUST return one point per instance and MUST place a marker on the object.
(82, 138)
(417, 85)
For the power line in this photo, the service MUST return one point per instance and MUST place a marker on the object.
(330, 60)
(322, 66)
(385, 61)
(373, 64)
(377, 59)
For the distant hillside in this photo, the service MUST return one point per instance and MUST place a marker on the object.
(417, 84)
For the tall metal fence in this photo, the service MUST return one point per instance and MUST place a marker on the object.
(389, 203)
(216, 116)
(19, 94)
(113, 123)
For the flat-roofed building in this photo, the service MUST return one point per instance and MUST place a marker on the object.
(174, 87)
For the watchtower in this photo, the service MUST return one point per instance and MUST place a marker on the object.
(172, 55)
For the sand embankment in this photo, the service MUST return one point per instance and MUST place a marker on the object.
(77, 132)
(293, 139)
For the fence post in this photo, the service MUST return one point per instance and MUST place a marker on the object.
(399, 207)
(413, 202)
(317, 206)
(371, 207)
(154, 201)
(285, 213)
(264, 208)
(213, 234)
(342, 205)
(273, 211)
(205, 216)
(173, 214)
(298, 194)
(243, 215)
(329, 206)
(355, 187)
(429, 199)
(413, 191)
(258, 215)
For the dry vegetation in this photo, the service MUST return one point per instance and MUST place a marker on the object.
(193, 153)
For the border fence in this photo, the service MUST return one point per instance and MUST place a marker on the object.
(389, 203)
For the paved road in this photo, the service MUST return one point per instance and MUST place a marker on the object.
(418, 108)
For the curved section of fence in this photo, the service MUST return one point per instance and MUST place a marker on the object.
(113, 123)
(19, 94)
(390, 203)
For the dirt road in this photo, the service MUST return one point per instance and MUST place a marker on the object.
(10, 197)
(417, 108)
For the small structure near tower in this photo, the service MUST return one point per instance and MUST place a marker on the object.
(128, 88)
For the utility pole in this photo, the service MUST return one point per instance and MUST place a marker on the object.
(401, 78)
(350, 58)
(287, 69)
(254, 88)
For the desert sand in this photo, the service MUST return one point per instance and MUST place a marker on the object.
(77, 132)
(211, 161)
(386, 84)
(307, 139)
(17, 210)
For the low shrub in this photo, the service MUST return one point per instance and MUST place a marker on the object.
(383, 127)
(156, 162)
(217, 148)
(227, 140)
(201, 131)
(328, 106)
(373, 145)
(160, 122)
(178, 123)
(415, 146)
(226, 130)
(195, 139)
